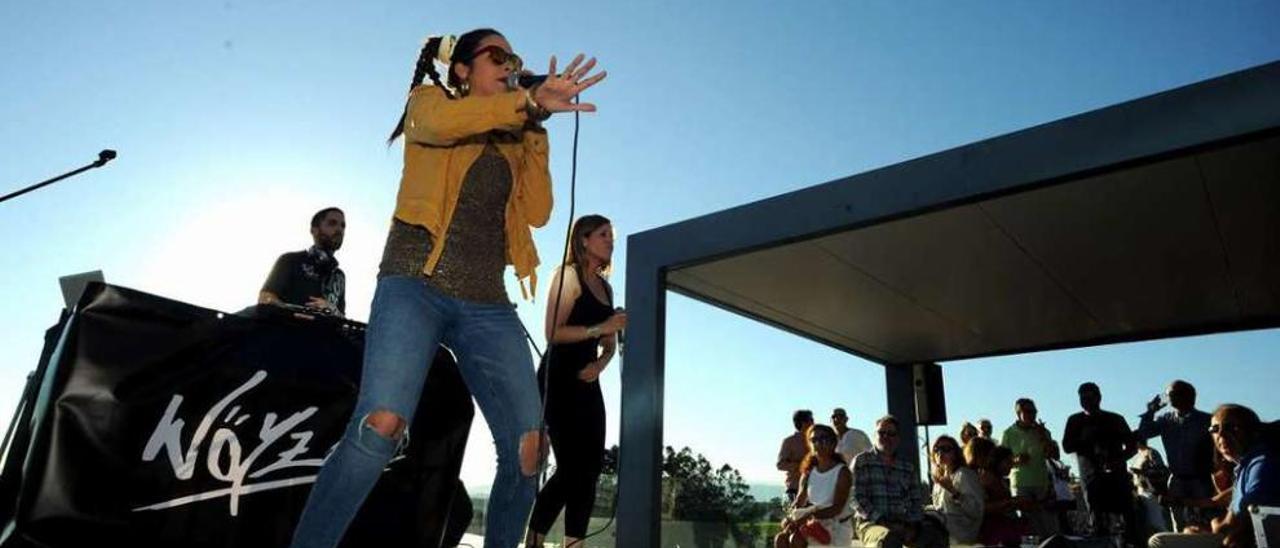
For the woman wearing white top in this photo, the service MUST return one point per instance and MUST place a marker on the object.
(823, 503)
(957, 491)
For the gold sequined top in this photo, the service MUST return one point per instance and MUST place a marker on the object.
(472, 264)
(443, 138)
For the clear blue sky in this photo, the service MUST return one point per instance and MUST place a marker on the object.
(236, 120)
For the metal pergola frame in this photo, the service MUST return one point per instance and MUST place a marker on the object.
(1238, 107)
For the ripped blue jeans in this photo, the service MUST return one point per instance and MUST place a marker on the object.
(409, 319)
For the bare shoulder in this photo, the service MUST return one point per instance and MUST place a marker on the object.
(565, 282)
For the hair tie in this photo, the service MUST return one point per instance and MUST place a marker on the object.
(445, 52)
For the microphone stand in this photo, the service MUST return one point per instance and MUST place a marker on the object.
(103, 157)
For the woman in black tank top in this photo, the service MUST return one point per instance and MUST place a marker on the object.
(582, 330)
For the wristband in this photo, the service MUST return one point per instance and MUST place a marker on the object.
(535, 110)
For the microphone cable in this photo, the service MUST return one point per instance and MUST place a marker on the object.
(545, 358)
(564, 258)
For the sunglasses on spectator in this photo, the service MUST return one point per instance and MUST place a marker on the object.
(944, 449)
(1227, 427)
(501, 57)
(887, 433)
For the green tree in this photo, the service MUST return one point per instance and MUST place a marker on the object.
(715, 499)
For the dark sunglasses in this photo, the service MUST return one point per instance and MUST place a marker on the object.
(501, 57)
(940, 449)
(887, 433)
(1224, 428)
(823, 439)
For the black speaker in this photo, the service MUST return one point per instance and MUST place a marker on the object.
(931, 403)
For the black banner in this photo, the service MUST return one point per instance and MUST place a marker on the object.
(157, 423)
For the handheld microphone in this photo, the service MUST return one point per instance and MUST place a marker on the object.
(621, 336)
(524, 80)
(104, 157)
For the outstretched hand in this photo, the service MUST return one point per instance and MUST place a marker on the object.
(557, 92)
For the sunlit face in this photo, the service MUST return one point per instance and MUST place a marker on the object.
(887, 437)
(599, 243)
(1230, 437)
(822, 441)
(839, 419)
(946, 452)
(328, 236)
(485, 76)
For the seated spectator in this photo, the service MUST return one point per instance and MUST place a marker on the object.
(1224, 472)
(1238, 436)
(822, 511)
(957, 491)
(1000, 523)
(887, 498)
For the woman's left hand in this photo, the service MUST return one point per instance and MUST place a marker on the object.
(556, 93)
(591, 372)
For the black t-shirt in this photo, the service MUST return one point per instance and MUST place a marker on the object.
(1101, 441)
(298, 276)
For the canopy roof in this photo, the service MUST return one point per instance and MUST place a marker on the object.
(1152, 218)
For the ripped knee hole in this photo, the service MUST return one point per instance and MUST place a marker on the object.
(387, 424)
(530, 452)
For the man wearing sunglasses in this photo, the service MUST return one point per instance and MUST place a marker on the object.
(1028, 439)
(1240, 437)
(852, 441)
(887, 498)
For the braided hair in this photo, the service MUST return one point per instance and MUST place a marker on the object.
(463, 51)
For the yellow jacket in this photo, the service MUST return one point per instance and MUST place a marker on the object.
(443, 137)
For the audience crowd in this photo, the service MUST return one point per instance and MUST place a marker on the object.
(845, 487)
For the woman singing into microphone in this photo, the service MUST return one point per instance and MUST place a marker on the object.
(580, 324)
(475, 180)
